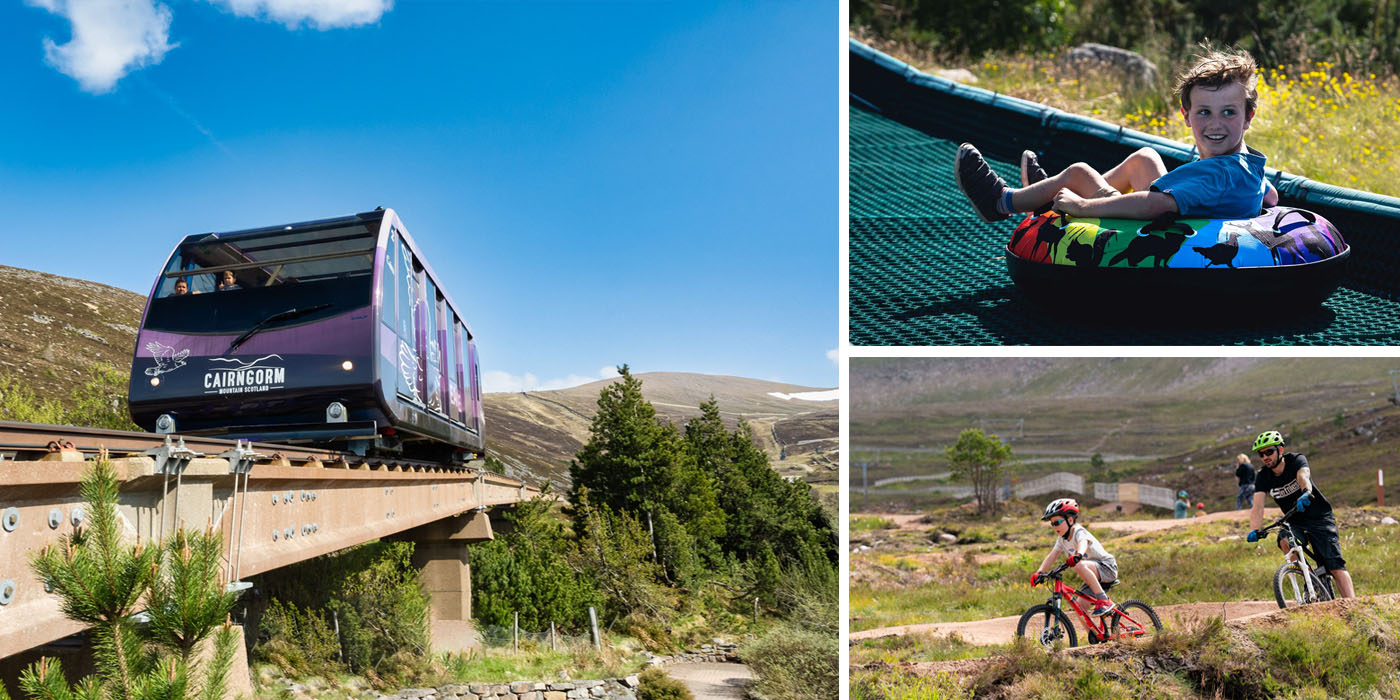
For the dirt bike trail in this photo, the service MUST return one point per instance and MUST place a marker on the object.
(1002, 630)
(904, 521)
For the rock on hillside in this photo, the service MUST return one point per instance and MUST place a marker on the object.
(52, 329)
(536, 433)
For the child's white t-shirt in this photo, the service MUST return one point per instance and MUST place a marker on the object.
(1078, 534)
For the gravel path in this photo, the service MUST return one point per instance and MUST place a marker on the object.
(712, 680)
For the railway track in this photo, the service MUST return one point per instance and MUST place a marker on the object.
(23, 442)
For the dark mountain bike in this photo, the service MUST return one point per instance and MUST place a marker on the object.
(1048, 624)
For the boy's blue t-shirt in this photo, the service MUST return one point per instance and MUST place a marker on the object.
(1223, 187)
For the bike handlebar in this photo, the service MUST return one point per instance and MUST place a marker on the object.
(1275, 524)
(1055, 572)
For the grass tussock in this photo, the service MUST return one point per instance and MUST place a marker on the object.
(580, 662)
(900, 685)
(1346, 651)
(796, 663)
(871, 524)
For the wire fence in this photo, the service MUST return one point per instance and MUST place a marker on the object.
(552, 638)
(507, 638)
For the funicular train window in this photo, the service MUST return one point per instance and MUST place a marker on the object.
(388, 283)
(326, 265)
(475, 393)
(449, 365)
(410, 366)
(434, 345)
(459, 405)
(420, 333)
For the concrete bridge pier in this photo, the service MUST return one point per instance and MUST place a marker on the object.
(440, 553)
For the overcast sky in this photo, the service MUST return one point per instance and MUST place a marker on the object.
(644, 182)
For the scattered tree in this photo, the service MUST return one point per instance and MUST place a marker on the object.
(978, 457)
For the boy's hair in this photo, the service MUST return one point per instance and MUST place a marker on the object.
(1216, 69)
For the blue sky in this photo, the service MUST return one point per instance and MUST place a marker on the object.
(653, 183)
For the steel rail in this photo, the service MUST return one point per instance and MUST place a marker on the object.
(35, 438)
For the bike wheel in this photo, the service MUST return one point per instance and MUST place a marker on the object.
(1291, 590)
(1134, 619)
(1047, 626)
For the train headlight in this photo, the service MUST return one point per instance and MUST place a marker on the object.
(155, 381)
(165, 424)
(347, 365)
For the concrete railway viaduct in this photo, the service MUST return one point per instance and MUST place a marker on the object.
(274, 505)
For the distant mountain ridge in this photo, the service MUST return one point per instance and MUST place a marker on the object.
(538, 432)
(1181, 415)
(884, 382)
(53, 328)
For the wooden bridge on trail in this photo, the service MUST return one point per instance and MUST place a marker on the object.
(275, 505)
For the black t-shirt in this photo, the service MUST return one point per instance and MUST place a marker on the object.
(1285, 490)
(1245, 472)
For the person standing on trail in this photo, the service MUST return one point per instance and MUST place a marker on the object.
(1244, 471)
(1086, 556)
(1181, 504)
(1287, 478)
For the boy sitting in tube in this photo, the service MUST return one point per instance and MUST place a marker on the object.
(1218, 99)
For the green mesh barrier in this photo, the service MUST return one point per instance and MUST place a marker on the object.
(925, 270)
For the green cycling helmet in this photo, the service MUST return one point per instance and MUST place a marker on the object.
(1268, 439)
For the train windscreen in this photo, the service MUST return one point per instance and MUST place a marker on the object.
(229, 283)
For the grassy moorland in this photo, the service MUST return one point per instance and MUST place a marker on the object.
(902, 577)
(1318, 121)
(1347, 650)
(905, 578)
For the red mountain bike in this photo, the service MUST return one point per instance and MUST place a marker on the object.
(1048, 624)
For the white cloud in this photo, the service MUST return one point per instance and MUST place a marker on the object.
(833, 355)
(320, 14)
(110, 39)
(496, 381)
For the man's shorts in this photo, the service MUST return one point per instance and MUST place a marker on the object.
(1321, 537)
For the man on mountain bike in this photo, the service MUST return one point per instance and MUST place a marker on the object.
(1287, 478)
(1086, 556)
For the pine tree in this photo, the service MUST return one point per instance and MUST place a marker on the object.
(103, 582)
(635, 464)
(614, 549)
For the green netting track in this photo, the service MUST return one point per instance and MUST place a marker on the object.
(925, 270)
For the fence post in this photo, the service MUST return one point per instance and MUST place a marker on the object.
(515, 632)
(339, 645)
(552, 646)
(593, 622)
(1380, 488)
(755, 610)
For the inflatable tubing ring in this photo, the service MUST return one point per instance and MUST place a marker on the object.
(1283, 255)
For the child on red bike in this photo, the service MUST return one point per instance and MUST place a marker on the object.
(1086, 556)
